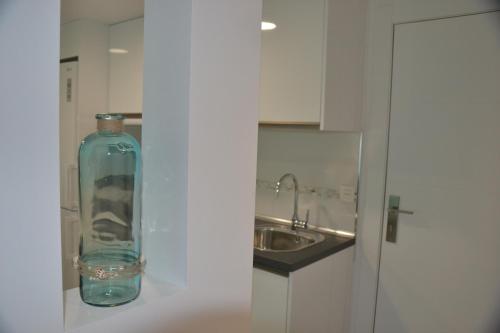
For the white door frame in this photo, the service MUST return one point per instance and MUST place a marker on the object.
(382, 15)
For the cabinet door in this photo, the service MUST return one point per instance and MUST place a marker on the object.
(344, 65)
(269, 302)
(126, 66)
(320, 295)
(292, 61)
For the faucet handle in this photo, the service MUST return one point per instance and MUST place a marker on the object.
(302, 224)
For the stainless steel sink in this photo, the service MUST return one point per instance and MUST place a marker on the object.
(283, 239)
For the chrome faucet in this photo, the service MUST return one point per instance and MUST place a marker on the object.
(296, 221)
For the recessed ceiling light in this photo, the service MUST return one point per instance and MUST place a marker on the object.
(267, 26)
(118, 51)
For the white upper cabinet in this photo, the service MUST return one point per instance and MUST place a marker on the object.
(292, 58)
(312, 63)
(126, 43)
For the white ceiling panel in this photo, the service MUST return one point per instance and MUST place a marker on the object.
(105, 11)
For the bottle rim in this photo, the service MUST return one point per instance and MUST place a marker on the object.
(109, 116)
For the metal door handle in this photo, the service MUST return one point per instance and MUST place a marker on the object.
(392, 218)
(399, 211)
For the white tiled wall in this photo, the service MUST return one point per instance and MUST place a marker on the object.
(324, 163)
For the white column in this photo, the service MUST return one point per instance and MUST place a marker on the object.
(30, 263)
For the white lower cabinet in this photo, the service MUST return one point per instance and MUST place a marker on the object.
(316, 298)
(269, 302)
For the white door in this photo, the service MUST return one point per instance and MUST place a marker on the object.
(442, 273)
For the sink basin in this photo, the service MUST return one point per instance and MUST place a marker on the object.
(282, 239)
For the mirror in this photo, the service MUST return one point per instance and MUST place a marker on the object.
(101, 71)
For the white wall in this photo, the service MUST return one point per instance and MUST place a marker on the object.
(322, 162)
(165, 139)
(31, 280)
(213, 96)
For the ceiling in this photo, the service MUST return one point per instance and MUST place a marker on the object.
(105, 11)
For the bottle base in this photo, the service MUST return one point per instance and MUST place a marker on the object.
(104, 277)
(109, 296)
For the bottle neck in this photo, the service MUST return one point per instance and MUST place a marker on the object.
(113, 126)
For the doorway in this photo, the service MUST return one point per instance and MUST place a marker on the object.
(439, 270)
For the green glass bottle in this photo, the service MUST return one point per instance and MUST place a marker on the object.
(110, 214)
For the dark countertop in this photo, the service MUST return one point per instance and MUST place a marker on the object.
(283, 263)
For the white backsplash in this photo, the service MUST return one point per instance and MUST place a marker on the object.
(325, 163)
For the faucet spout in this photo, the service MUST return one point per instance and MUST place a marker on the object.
(296, 222)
